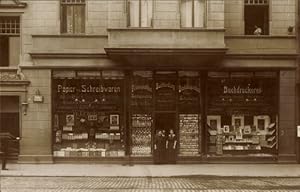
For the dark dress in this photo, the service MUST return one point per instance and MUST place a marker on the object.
(164, 155)
(4, 149)
(171, 152)
(157, 155)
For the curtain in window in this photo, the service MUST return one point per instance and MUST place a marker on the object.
(134, 13)
(199, 13)
(79, 16)
(69, 19)
(192, 13)
(140, 13)
(186, 13)
(73, 18)
(146, 13)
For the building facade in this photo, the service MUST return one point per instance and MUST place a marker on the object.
(94, 80)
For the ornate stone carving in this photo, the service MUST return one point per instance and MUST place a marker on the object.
(10, 76)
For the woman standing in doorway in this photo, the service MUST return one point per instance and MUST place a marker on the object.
(171, 147)
(158, 142)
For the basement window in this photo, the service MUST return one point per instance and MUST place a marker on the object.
(256, 16)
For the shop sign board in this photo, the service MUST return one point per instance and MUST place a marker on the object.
(298, 130)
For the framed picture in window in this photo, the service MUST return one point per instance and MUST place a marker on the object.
(247, 130)
(114, 121)
(226, 129)
(261, 122)
(214, 122)
(70, 120)
(237, 121)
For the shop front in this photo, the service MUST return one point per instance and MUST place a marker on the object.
(242, 114)
(115, 115)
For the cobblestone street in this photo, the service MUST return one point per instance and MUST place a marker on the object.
(148, 184)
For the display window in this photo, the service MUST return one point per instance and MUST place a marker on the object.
(242, 113)
(141, 104)
(189, 113)
(88, 114)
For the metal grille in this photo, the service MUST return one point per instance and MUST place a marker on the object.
(9, 25)
(72, 1)
(256, 2)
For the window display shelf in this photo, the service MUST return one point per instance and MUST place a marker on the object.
(241, 148)
(238, 142)
(271, 132)
(271, 146)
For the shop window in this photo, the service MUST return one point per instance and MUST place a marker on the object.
(242, 114)
(73, 16)
(256, 13)
(141, 104)
(9, 40)
(189, 113)
(88, 117)
(193, 13)
(140, 13)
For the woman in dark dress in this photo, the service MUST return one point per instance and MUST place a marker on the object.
(164, 155)
(158, 140)
(171, 147)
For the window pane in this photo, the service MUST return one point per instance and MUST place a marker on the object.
(134, 13)
(4, 51)
(146, 13)
(79, 17)
(69, 20)
(186, 13)
(199, 13)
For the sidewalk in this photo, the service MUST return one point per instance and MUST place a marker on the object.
(109, 170)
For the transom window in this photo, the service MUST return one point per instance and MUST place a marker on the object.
(10, 25)
(72, 16)
(256, 2)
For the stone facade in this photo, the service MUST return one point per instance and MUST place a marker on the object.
(43, 46)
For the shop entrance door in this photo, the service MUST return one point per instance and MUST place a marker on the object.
(9, 120)
(165, 122)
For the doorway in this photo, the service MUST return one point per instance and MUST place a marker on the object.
(9, 119)
(166, 121)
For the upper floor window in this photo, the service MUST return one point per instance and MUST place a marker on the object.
(9, 40)
(140, 13)
(72, 16)
(256, 17)
(193, 13)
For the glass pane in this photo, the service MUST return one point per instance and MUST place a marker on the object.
(199, 13)
(146, 13)
(69, 20)
(79, 16)
(134, 13)
(186, 13)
